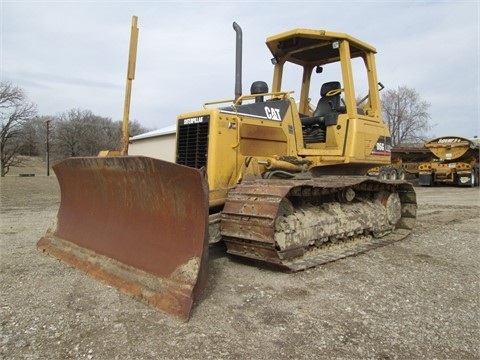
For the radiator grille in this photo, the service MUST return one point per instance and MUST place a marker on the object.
(192, 143)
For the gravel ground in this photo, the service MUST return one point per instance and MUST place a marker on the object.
(415, 299)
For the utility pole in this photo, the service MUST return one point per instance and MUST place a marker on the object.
(48, 146)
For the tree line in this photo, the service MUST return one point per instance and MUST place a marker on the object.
(75, 132)
(78, 132)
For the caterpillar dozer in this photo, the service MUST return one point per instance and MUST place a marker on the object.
(278, 180)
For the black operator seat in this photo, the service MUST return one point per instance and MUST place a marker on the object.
(328, 107)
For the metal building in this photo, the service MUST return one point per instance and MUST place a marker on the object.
(159, 144)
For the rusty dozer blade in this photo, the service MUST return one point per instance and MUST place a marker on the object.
(137, 223)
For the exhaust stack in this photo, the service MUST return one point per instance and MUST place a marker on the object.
(238, 61)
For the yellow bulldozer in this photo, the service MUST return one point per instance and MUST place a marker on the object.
(278, 183)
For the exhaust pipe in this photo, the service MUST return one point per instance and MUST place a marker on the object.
(238, 61)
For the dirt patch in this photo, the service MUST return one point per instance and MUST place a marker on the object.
(415, 299)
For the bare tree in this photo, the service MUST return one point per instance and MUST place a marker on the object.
(134, 128)
(81, 133)
(34, 136)
(15, 111)
(406, 115)
(76, 134)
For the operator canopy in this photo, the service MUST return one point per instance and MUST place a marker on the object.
(313, 47)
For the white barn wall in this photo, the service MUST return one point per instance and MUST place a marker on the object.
(159, 147)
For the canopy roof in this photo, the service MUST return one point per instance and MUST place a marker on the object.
(313, 47)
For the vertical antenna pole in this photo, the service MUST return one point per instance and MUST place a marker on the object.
(132, 57)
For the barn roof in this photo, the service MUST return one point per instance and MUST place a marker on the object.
(172, 129)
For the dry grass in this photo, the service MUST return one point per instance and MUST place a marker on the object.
(30, 165)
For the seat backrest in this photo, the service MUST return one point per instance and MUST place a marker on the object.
(328, 104)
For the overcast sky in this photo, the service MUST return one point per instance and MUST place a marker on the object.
(73, 54)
